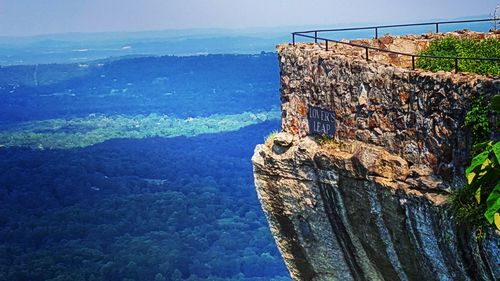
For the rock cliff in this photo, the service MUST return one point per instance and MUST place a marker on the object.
(369, 204)
(352, 211)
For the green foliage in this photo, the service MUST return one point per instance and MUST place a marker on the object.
(82, 132)
(477, 120)
(483, 179)
(451, 46)
(495, 104)
(478, 203)
(466, 211)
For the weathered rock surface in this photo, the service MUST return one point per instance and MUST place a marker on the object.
(353, 211)
(370, 205)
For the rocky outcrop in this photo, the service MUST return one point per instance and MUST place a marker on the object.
(370, 203)
(353, 211)
(418, 115)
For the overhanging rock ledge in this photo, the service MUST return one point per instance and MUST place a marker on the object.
(369, 204)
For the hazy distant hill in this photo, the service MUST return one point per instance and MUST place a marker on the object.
(178, 86)
(80, 47)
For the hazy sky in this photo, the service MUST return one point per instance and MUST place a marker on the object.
(28, 17)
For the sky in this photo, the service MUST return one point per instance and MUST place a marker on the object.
(33, 17)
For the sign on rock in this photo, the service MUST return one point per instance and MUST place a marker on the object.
(321, 121)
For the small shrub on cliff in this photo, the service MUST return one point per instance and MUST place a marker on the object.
(268, 141)
(325, 140)
(477, 121)
(451, 46)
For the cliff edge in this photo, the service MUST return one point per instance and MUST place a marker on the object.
(353, 211)
(369, 203)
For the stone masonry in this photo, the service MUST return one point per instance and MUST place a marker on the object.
(418, 115)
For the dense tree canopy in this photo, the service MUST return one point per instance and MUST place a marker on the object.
(172, 207)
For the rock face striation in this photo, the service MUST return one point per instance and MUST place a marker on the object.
(369, 204)
(351, 211)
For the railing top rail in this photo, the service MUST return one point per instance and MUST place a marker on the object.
(397, 25)
(395, 52)
(376, 28)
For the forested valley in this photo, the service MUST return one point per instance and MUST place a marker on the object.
(92, 186)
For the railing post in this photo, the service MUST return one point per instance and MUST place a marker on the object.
(315, 37)
(437, 27)
(376, 32)
(293, 38)
(326, 42)
(456, 65)
(412, 62)
(366, 51)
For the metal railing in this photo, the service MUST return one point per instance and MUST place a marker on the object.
(376, 29)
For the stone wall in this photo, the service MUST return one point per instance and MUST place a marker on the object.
(417, 115)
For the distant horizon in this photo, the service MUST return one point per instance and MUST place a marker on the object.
(27, 18)
(234, 30)
(80, 47)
